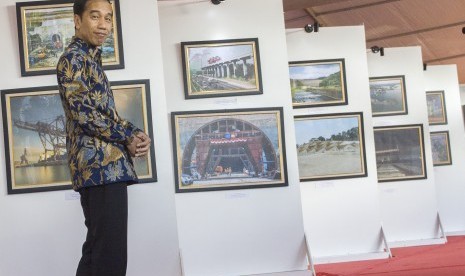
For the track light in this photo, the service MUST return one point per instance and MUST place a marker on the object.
(425, 66)
(310, 28)
(376, 49)
(217, 2)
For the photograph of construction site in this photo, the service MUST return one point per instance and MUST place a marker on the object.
(400, 153)
(330, 146)
(234, 149)
(35, 136)
(440, 147)
(437, 114)
(318, 83)
(221, 68)
(46, 27)
(388, 96)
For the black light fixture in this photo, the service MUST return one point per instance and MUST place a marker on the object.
(310, 28)
(463, 30)
(217, 2)
(425, 66)
(376, 49)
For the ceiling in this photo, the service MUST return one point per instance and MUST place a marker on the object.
(435, 25)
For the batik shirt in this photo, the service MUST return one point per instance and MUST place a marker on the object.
(97, 137)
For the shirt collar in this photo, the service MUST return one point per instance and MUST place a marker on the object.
(93, 51)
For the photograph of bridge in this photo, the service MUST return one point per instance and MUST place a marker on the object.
(35, 143)
(221, 68)
(400, 153)
(330, 146)
(437, 114)
(388, 96)
(318, 83)
(234, 149)
(440, 147)
(45, 30)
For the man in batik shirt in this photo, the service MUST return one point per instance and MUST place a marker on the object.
(100, 144)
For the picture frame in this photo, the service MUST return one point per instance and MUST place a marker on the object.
(400, 152)
(388, 96)
(45, 28)
(330, 146)
(437, 112)
(229, 149)
(221, 68)
(35, 137)
(440, 146)
(316, 83)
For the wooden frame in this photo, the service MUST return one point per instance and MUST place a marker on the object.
(35, 137)
(45, 28)
(330, 146)
(229, 149)
(221, 68)
(318, 83)
(388, 96)
(400, 153)
(437, 112)
(440, 146)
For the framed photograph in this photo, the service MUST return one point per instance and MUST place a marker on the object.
(221, 68)
(35, 137)
(45, 29)
(437, 114)
(400, 153)
(388, 96)
(318, 83)
(440, 147)
(229, 149)
(330, 146)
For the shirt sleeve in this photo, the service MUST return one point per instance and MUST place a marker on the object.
(88, 106)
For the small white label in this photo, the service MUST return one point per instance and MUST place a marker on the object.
(236, 195)
(72, 195)
(226, 102)
(324, 185)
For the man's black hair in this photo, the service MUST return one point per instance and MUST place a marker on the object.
(80, 6)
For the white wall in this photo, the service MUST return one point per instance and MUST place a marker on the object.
(244, 231)
(408, 208)
(342, 217)
(42, 233)
(449, 179)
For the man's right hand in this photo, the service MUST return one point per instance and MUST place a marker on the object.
(132, 147)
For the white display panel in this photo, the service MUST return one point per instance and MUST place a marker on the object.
(342, 216)
(408, 208)
(248, 231)
(42, 233)
(449, 178)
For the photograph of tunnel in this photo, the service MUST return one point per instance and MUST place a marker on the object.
(437, 114)
(330, 146)
(388, 96)
(35, 137)
(229, 149)
(46, 27)
(221, 68)
(440, 147)
(400, 153)
(318, 83)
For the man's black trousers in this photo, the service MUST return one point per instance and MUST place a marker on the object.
(104, 252)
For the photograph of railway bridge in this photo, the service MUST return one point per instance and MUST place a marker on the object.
(235, 149)
(318, 83)
(400, 153)
(221, 68)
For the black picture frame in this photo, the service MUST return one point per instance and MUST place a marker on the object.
(440, 147)
(325, 97)
(400, 152)
(221, 68)
(388, 96)
(331, 146)
(40, 49)
(229, 149)
(34, 125)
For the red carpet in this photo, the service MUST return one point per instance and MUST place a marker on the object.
(438, 260)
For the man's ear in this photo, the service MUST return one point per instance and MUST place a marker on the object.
(77, 22)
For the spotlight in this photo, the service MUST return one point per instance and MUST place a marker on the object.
(217, 2)
(376, 49)
(310, 28)
(463, 30)
(425, 66)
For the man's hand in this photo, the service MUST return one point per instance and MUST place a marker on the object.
(132, 147)
(143, 144)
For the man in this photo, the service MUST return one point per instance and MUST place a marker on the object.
(99, 143)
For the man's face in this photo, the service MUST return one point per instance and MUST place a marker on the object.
(96, 22)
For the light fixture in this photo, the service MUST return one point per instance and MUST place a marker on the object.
(310, 28)
(217, 2)
(375, 49)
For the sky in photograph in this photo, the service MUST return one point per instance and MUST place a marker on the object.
(313, 71)
(307, 129)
